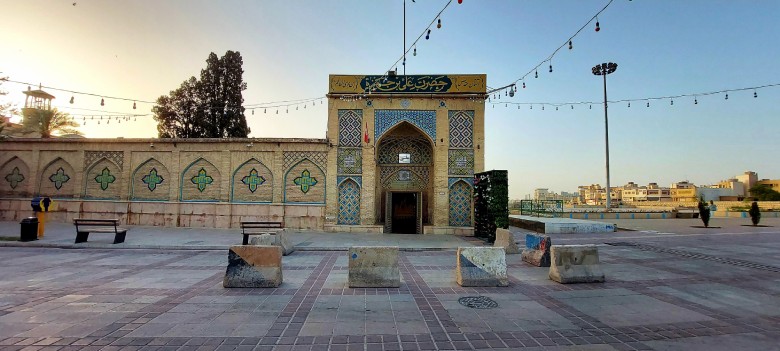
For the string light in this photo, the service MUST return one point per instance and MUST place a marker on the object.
(102, 102)
(648, 99)
(695, 101)
(438, 25)
(568, 43)
(428, 36)
(727, 96)
(71, 100)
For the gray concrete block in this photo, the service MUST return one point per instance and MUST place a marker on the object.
(505, 239)
(575, 264)
(252, 266)
(481, 266)
(279, 238)
(374, 267)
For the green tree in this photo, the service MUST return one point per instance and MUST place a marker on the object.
(49, 123)
(210, 107)
(6, 108)
(763, 192)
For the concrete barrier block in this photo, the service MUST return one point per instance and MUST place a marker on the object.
(481, 266)
(575, 264)
(505, 239)
(279, 238)
(253, 267)
(374, 267)
(537, 250)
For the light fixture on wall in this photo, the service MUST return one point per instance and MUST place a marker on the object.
(151, 144)
(250, 144)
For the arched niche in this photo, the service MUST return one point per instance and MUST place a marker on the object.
(58, 180)
(200, 181)
(151, 181)
(252, 182)
(304, 182)
(349, 201)
(103, 180)
(15, 178)
(461, 205)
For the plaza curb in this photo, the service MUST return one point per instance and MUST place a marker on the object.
(102, 246)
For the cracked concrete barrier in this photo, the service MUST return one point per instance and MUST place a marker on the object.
(279, 238)
(481, 266)
(537, 250)
(251, 266)
(575, 264)
(505, 239)
(374, 267)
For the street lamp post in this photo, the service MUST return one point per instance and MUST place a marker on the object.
(603, 70)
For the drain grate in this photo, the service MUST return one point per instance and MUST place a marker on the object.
(731, 261)
(479, 302)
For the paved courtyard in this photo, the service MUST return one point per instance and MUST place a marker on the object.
(670, 289)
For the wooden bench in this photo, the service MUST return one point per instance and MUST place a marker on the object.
(255, 228)
(85, 226)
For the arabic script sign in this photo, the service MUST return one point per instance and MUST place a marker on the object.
(473, 83)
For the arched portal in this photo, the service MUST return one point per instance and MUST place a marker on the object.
(404, 165)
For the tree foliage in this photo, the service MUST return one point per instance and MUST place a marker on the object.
(49, 123)
(763, 192)
(209, 107)
(6, 109)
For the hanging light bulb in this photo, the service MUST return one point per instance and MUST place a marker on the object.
(755, 94)
(532, 107)
(102, 102)
(597, 25)
(590, 107)
(695, 101)
(672, 103)
(523, 85)
(506, 93)
(414, 53)
(277, 111)
(438, 25)
(629, 104)
(536, 74)
(570, 45)
(542, 107)
(550, 67)
(648, 104)
(572, 107)
(556, 108)
(511, 93)
(518, 107)
(253, 112)
(71, 99)
(428, 36)
(133, 105)
(460, 1)
(727, 96)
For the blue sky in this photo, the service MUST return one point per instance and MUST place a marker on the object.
(143, 49)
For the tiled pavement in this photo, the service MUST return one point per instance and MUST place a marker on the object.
(98, 299)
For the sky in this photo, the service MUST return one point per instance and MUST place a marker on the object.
(142, 49)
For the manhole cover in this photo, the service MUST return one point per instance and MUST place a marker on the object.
(480, 302)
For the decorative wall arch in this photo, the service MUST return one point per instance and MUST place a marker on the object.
(252, 181)
(304, 182)
(151, 181)
(58, 180)
(349, 202)
(425, 120)
(200, 181)
(15, 177)
(461, 195)
(103, 180)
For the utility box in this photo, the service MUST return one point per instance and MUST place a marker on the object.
(29, 230)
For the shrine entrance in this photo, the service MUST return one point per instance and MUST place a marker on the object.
(404, 163)
(404, 208)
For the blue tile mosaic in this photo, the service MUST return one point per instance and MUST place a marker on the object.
(386, 119)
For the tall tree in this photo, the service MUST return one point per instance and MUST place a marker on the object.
(49, 123)
(6, 108)
(207, 108)
(763, 192)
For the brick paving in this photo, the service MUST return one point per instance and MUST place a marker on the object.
(101, 299)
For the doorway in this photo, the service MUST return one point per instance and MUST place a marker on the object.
(404, 213)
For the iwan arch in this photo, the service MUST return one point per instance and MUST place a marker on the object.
(398, 160)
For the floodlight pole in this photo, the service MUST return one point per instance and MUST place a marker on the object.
(603, 70)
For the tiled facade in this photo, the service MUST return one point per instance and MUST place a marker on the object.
(391, 142)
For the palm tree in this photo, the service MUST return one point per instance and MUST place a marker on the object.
(49, 122)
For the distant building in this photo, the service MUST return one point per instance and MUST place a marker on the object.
(684, 191)
(545, 194)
